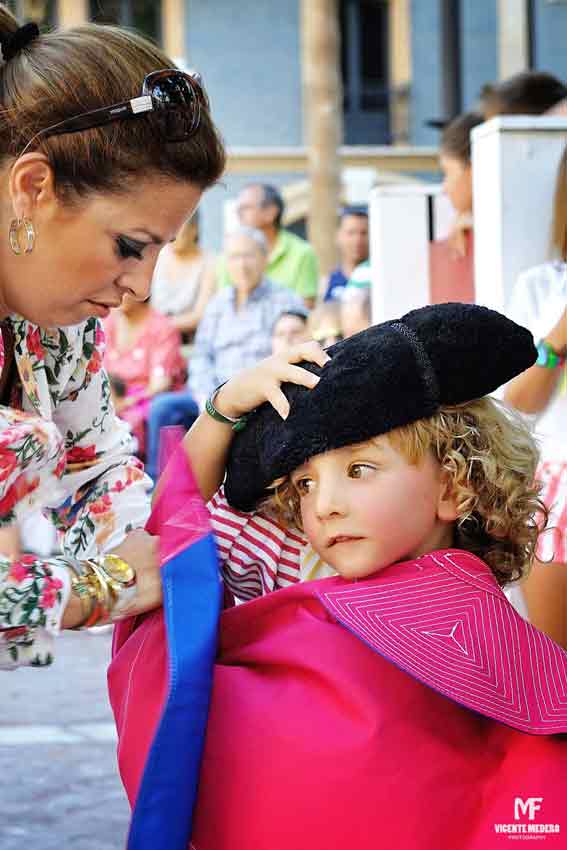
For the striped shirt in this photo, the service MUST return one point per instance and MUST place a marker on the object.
(258, 555)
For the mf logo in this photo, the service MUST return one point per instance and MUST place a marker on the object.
(527, 807)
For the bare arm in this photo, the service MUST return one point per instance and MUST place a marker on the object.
(10, 547)
(208, 442)
(531, 391)
(189, 320)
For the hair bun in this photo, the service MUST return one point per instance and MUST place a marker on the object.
(14, 42)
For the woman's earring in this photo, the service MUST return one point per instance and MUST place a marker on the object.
(15, 226)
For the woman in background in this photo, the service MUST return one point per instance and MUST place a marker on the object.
(184, 280)
(143, 358)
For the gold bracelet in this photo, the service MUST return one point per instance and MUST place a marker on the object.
(106, 599)
(81, 586)
(101, 584)
(94, 595)
(119, 578)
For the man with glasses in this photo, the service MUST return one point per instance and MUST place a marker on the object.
(291, 260)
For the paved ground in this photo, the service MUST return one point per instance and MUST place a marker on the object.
(60, 788)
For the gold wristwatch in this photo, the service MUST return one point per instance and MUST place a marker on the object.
(119, 575)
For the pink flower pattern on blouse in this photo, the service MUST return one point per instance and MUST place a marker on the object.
(64, 452)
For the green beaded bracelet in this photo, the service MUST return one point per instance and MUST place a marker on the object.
(547, 356)
(237, 424)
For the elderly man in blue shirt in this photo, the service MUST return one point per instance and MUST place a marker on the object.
(234, 333)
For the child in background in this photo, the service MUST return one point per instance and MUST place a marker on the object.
(290, 328)
(324, 323)
(355, 310)
(455, 161)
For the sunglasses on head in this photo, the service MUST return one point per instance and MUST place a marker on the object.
(174, 97)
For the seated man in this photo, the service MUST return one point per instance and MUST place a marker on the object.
(235, 332)
(352, 242)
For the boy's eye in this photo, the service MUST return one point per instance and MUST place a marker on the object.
(360, 470)
(128, 248)
(303, 485)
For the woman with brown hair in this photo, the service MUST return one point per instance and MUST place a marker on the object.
(539, 301)
(105, 150)
(143, 359)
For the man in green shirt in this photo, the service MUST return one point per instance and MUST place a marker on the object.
(292, 261)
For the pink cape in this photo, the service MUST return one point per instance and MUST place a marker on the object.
(340, 718)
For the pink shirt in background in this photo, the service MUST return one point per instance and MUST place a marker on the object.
(156, 353)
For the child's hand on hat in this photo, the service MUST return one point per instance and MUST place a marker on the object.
(262, 382)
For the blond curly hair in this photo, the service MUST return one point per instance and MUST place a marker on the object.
(490, 458)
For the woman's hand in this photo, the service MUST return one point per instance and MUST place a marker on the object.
(262, 382)
(457, 238)
(141, 551)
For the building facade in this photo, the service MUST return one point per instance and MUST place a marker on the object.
(403, 63)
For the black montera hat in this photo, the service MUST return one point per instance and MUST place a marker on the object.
(389, 375)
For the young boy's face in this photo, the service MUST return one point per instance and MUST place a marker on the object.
(364, 507)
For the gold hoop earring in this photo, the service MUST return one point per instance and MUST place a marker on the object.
(14, 235)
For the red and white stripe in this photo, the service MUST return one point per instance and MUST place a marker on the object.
(256, 553)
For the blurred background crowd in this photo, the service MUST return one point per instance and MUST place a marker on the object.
(347, 95)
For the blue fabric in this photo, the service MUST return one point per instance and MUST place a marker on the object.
(192, 600)
(337, 280)
(166, 409)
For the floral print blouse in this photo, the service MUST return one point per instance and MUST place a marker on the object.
(62, 450)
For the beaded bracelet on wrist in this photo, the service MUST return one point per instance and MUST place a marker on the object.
(236, 424)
